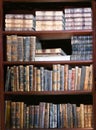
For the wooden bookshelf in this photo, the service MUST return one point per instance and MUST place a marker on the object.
(34, 97)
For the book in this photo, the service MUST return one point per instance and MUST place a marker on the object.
(51, 51)
(52, 58)
(7, 113)
(7, 81)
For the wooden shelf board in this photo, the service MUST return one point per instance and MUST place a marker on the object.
(60, 34)
(89, 92)
(47, 0)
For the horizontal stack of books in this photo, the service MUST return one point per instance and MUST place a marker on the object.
(78, 18)
(19, 22)
(81, 48)
(49, 20)
(52, 54)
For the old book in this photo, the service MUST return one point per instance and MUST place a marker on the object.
(13, 87)
(59, 116)
(58, 77)
(32, 47)
(79, 78)
(8, 79)
(69, 79)
(86, 116)
(21, 78)
(82, 115)
(90, 77)
(20, 48)
(30, 77)
(17, 117)
(66, 68)
(54, 77)
(38, 81)
(51, 51)
(54, 115)
(34, 78)
(73, 79)
(31, 116)
(90, 116)
(8, 48)
(52, 58)
(62, 78)
(41, 114)
(26, 78)
(46, 118)
(74, 113)
(78, 114)
(13, 114)
(22, 115)
(8, 114)
(14, 48)
(82, 79)
(36, 116)
(49, 80)
(51, 115)
(42, 78)
(16, 78)
(46, 87)
(26, 43)
(27, 117)
(86, 78)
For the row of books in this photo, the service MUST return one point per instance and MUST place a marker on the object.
(81, 47)
(21, 48)
(47, 115)
(59, 78)
(20, 22)
(78, 18)
(67, 19)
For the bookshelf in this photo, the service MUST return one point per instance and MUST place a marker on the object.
(53, 92)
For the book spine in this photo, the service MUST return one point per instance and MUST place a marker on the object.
(13, 114)
(20, 48)
(8, 47)
(32, 48)
(31, 116)
(30, 77)
(26, 48)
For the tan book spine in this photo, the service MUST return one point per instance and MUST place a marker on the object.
(38, 81)
(85, 116)
(54, 77)
(66, 67)
(22, 115)
(86, 78)
(8, 48)
(82, 115)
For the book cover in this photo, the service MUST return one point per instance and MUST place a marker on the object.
(51, 51)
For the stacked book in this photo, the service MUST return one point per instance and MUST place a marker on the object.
(81, 48)
(52, 54)
(49, 20)
(19, 22)
(78, 18)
